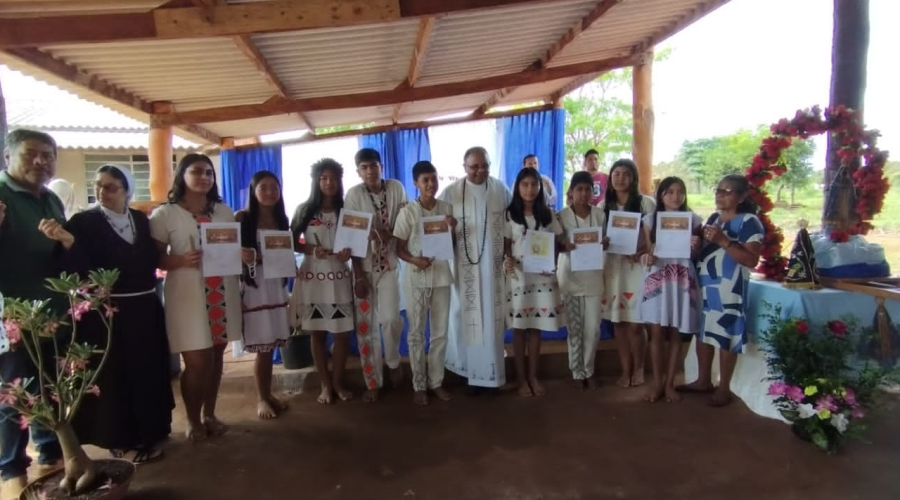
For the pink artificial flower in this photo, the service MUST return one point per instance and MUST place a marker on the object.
(7, 398)
(826, 403)
(109, 310)
(850, 397)
(93, 389)
(13, 331)
(79, 309)
(23, 422)
(794, 393)
(857, 413)
(32, 399)
(51, 327)
(777, 389)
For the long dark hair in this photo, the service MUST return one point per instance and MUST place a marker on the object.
(179, 186)
(742, 187)
(251, 219)
(634, 195)
(543, 216)
(313, 205)
(664, 186)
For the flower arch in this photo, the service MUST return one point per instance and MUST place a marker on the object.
(858, 153)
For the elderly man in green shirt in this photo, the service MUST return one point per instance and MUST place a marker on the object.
(26, 261)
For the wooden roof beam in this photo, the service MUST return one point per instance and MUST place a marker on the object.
(423, 37)
(385, 98)
(227, 20)
(579, 27)
(72, 74)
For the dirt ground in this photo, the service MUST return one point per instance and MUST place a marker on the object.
(606, 444)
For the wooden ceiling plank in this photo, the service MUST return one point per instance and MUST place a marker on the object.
(423, 38)
(579, 27)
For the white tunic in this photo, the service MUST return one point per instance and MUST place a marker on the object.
(477, 305)
(359, 199)
(187, 321)
(579, 283)
(407, 228)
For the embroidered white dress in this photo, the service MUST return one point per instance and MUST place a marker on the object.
(533, 300)
(624, 280)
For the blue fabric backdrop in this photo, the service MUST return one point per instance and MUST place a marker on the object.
(400, 150)
(543, 134)
(238, 165)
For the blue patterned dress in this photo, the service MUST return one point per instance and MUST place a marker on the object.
(724, 285)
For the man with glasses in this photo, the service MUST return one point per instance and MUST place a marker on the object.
(26, 261)
(478, 299)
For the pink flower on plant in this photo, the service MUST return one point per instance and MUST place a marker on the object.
(777, 389)
(826, 403)
(838, 328)
(794, 393)
(857, 413)
(850, 397)
(13, 331)
(7, 397)
(51, 327)
(802, 327)
(79, 309)
(109, 310)
(23, 422)
(93, 389)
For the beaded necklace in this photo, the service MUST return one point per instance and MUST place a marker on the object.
(466, 231)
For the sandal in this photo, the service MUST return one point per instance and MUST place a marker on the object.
(147, 456)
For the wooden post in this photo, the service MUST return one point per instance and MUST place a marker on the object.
(642, 109)
(159, 152)
(849, 49)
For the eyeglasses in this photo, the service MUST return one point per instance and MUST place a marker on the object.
(476, 167)
(109, 188)
(724, 192)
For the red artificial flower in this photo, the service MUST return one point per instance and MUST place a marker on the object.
(839, 236)
(802, 327)
(838, 328)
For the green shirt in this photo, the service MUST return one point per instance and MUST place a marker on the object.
(26, 255)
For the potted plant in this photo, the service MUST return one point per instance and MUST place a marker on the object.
(818, 382)
(64, 382)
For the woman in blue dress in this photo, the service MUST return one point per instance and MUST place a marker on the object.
(732, 240)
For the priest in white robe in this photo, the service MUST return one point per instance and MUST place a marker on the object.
(477, 305)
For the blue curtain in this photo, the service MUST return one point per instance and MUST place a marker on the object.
(541, 134)
(400, 150)
(239, 165)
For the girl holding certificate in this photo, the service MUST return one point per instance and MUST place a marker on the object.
(624, 276)
(671, 299)
(265, 301)
(533, 299)
(582, 290)
(732, 239)
(322, 299)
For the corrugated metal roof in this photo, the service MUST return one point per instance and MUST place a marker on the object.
(534, 92)
(423, 110)
(349, 116)
(36, 8)
(68, 139)
(259, 126)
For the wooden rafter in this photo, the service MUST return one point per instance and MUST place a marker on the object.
(395, 96)
(573, 85)
(579, 27)
(73, 74)
(226, 20)
(423, 37)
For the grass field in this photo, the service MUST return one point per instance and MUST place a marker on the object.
(808, 205)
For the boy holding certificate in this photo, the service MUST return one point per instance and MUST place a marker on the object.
(426, 280)
(582, 290)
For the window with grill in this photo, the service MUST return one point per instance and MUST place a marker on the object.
(138, 164)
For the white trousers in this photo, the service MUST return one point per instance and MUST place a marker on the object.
(583, 315)
(381, 308)
(425, 304)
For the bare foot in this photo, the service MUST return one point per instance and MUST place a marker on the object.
(420, 398)
(536, 387)
(696, 387)
(344, 394)
(278, 405)
(370, 396)
(638, 377)
(525, 391)
(264, 410)
(442, 394)
(722, 397)
(214, 426)
(195, 433)
(624, 382)
(672, 395)
(326, 396)
(654, 393)
(578, 384)
(592, 384)
(396, 375)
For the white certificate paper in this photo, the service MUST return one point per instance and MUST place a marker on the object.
(353, 233)
(588, 252)
(539, 252)
(673, 235)
(277, 252)
(221, 245)
(435, 238)
(623, 230)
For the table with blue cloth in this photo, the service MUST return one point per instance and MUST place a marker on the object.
(816, 306)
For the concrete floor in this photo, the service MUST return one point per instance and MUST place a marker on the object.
(566, 445)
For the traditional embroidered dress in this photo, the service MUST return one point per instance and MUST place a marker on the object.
(428, 298)
(200, 312)
(382, 307)
(265, 307)
(671, 296)
(533, 301)
(322, 300)
(624, 279)
(477, 305)
(724, 285)
(582, 292)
